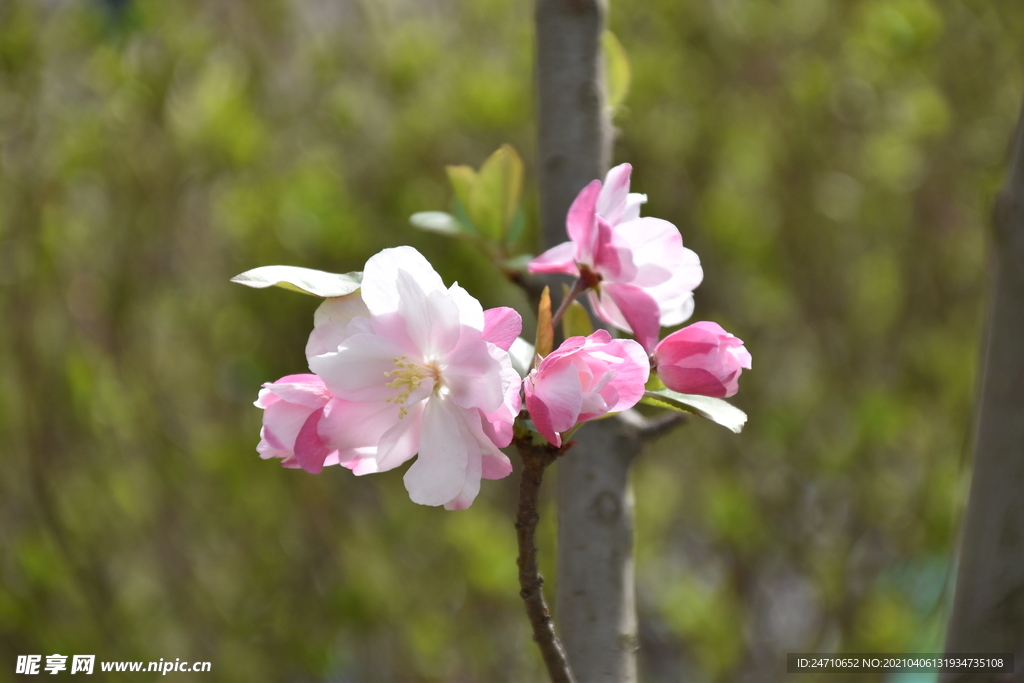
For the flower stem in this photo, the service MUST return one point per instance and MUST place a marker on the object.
(535, 460)
(578, 288)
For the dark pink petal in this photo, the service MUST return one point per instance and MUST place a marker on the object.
(502, 326)
(693, 381)
(640, 311)
(612, 257)
(309, 449)
(541, 417)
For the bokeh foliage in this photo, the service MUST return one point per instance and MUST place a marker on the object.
(831, 162)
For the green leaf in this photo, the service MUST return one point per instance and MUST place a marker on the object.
(438, 221)
(654, 382)
(517, 263)
(463, 180)
(576, 321)
(616, 70)
(305, 280)
(495, 196)
(658, 403)
(714, 409)
(516, 227)
(462, 216)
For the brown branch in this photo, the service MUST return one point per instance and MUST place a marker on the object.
(535, 460)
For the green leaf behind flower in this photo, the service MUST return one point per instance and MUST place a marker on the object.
(304, 280)
(714, 409)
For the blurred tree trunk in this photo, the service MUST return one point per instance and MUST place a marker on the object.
(595, 606)
(988, 607)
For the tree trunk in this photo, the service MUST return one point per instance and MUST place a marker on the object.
(988, 606)
(595, 605)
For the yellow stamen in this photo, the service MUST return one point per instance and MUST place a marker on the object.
(408, 376)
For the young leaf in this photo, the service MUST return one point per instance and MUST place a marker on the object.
(495, 196)
(617, 70)
(516, 227)
(463, 180)
(714, 409)
(576, 321)
(517, 263)
(438, 221)
(462, 216)
(305, 280)
(545, 333)
(654, 382)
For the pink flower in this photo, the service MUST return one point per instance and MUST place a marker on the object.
(642, 275)
(416, 368)
(583, 379)
(701, 358)
(293, 407)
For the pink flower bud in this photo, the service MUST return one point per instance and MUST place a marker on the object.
(701, 358)
(583, 379)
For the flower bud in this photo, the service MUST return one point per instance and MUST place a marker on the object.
(584, 379)
(701, 358)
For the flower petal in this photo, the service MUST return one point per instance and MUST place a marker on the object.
(309, 449)
(331, 323)
(554, 397)
(401, 441)
(471, 313)
(439, 473)
(356, 371)
(350, 425)
(431, 318)
(304, 390)
(612, 202)
(470, 486)
(497, 425)
(496, 466)
(581, 222)
(380, 278)
(558, 259)
(612, 257)
(657, 250)
(502, 326)
(632, 210)
(639, 310)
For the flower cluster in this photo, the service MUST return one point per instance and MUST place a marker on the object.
(405, 367)
(641, 278)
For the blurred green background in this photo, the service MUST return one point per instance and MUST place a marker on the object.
(832, 163)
